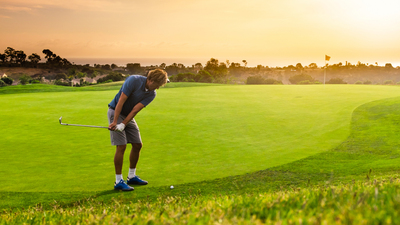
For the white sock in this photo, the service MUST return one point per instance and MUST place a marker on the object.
(132, 172)
(118, 178)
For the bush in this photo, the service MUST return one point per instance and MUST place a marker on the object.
(358, 82)
(272, 81)
(389, 82)
(59, 82)
(255, 80)
(203, 76)
(2, 83)
(305, 82)
(60, 76)
(34, 81)
(260, 80)
(336, 80)
(398, 83)
(7, 80)
(367, 82)
(301, 77)
(113, 76)
(24, 79)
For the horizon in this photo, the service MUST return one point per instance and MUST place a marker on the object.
(191, 61)
(269, 33)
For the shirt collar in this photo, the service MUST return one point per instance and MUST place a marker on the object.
(145, 89)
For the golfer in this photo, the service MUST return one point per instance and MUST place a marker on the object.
(136, 93)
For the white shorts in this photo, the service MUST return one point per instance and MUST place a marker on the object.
(130, 134)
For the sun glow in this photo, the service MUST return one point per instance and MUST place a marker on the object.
(275, 32)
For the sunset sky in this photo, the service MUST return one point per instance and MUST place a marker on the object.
(267, 32)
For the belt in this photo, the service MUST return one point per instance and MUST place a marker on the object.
(111, 107)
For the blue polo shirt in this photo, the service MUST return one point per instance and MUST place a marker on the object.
(135, 88)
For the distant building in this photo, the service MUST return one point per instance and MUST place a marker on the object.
(4, 75)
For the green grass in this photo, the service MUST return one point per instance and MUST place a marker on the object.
(190, 134)
(300, 139)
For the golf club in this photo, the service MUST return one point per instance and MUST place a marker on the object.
(67, 124)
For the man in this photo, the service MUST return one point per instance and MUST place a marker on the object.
(136, 93)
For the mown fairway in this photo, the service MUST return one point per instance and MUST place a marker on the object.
(190, 134)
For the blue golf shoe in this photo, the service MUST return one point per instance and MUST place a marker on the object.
(122, 186)
(136, 180)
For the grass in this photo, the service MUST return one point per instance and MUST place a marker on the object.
(190, 134)
(372, 143)
(376, 202)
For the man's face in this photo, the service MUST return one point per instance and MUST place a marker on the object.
(151, 85)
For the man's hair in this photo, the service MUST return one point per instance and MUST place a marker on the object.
(159, 76)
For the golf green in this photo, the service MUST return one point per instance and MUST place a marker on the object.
(190, 133)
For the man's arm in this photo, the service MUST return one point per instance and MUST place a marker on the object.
(118, 109)
(133, 113)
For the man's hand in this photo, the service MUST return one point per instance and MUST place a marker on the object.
(120, 127)
(112, 126)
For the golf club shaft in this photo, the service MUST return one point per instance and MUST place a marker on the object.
(78, 125)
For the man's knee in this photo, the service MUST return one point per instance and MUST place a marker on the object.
(137, 146)
(121, 148)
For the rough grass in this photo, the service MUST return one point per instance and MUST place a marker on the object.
(373, 202)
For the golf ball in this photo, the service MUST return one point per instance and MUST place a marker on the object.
(172, 187)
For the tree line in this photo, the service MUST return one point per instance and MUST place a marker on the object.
(213, 71)
(15, 58)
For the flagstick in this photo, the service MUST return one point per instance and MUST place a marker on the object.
(325, 71)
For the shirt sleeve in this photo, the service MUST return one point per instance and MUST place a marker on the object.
(128, 87)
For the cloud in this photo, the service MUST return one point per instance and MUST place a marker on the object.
(78, 5)
(15, 8)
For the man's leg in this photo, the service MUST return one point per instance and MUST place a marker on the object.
(118, 161)
(134, 158)
(119, 158)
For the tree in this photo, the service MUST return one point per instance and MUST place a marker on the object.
(80, 75)
(388, 66)
(212, 66)
(198, 66)
(20, 57)
(34, 58)
(244, 62)
(3, 57)
(106, 67)
(49, 55)
(65, 62)
(133, 68)
(313, 66)
(10, 54)
(113, 66)
(299, 67)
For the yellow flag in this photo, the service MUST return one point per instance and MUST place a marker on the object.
(327, 58)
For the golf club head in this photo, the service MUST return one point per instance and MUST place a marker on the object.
(60, 120)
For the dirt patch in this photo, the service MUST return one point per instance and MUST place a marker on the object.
(16, 72)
